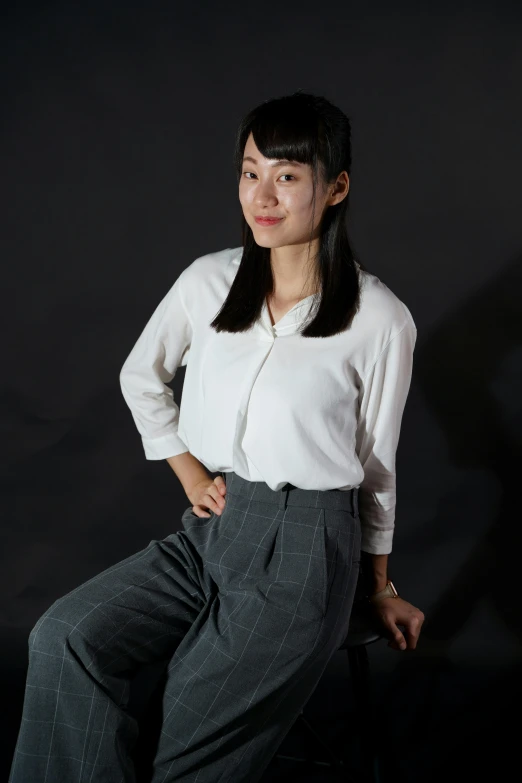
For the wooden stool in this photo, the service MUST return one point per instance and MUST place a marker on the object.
(363, 630)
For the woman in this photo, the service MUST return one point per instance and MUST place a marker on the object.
(298, 365)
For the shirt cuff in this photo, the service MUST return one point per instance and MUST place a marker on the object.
(160, 448)
(376, 542)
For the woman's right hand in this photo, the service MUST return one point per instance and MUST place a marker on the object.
(208, 495)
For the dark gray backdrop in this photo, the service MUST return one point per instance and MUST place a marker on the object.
(116, 161)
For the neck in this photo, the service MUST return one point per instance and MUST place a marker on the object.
(292, 270)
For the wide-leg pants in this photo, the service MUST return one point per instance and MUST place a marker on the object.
(247, 607)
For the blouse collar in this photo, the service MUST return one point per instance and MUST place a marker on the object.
(290, 322)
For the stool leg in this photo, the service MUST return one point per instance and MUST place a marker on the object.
(360, 673)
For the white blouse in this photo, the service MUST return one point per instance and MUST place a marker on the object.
(271, 405)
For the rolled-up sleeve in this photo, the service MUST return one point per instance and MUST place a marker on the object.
(381, 405)
(162, 347)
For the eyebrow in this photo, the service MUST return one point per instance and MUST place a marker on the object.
(281, 162)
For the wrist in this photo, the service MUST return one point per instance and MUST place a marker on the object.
(388, 591)
(189, 470)
(374, 571)
(376, 584)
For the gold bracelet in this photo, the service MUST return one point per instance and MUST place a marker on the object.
(388, 592)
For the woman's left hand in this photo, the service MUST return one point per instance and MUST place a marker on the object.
(396, 611)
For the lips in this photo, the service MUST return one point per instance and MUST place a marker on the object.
(268, 221)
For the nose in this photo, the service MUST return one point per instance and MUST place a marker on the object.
(264, 195)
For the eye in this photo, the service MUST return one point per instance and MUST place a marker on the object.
(246, 173)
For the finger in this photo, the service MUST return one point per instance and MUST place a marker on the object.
(199, 511)
(216, 502)
(220, 484)
(396, 639)
(412, 631)
(398, 642)
(394, 643)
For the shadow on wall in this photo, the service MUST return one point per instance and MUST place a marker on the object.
(454, 717)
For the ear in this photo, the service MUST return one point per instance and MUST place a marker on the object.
(340, 189)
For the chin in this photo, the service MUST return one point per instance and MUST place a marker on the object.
(264, 242)
(266, 238)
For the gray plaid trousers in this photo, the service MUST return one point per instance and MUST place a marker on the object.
(247, 607)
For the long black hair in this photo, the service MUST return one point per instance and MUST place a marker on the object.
(308, 129)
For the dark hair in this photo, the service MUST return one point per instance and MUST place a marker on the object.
(308, 129)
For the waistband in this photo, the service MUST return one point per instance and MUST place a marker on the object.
(290, 495)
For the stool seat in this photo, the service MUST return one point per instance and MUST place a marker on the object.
(364, 627)
(360, 639)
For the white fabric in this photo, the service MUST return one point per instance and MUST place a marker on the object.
(271, 405)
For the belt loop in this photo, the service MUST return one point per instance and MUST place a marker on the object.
(355, 501)
(283, 496)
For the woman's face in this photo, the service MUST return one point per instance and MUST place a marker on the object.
(282, 190)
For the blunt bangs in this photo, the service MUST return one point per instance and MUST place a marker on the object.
(285, 128)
